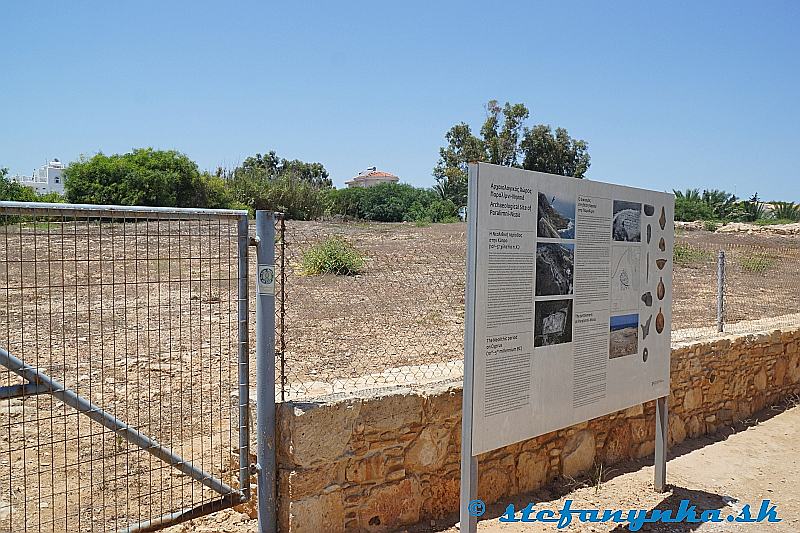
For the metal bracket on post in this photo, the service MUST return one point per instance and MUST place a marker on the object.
(265, 371)
(721, 291)
(662, 432)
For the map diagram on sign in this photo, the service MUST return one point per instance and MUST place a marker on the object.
(625, 278)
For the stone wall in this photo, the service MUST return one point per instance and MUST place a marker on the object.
(383, 460)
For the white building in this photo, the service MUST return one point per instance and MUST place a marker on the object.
(47, 178)
(371, 177)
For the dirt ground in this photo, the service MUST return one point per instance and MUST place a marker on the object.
(141, 319)
(406, 307)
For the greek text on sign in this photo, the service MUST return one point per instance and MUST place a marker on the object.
(266, 279)
(569, 309)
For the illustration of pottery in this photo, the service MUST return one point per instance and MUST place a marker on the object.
(660, 263)
(661, 290)
(662, 220)
(660, 321)
(647, 298)
(644, 355)
(649, 210)
(646, 327)
(662, 244)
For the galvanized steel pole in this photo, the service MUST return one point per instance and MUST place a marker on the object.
(265, 371)
(721, 291)
(243, 315)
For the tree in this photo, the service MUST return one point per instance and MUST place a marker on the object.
(143, 176)
(391, 202)
(292, 187)
(504, 140)
(753, 209)
(451, 170)
(723, 204)
(689, 194)
(273, 167)
(11, 190)
(295, 198)
(690, 208)
(554, 154)
(786, 211)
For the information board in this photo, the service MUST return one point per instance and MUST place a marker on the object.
(569, 301)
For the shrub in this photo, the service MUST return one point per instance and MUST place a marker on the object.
(334, 255)
(686, 255)
(756, 263)
(296, 199)
(689, 208)
(391, 202)
(710, 225)
(143, 177)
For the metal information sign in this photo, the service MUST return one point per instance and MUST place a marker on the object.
(568, 312)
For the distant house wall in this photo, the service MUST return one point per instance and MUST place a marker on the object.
(370, 178)
(47, 178)
(371, 181)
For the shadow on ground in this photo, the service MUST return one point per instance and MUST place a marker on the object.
(561, 487)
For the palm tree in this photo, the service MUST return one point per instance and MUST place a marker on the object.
(786, 211)
(690, 195)
(722, 203)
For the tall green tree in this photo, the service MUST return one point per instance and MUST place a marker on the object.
(505, 140)
(554, 153)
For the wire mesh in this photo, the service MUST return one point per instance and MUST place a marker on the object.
(761, 279)
(138, 316)
(399, 319)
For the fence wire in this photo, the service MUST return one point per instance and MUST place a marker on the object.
(139, 316)
(399, 320)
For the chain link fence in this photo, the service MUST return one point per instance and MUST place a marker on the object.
(120, 377)
(398, 320)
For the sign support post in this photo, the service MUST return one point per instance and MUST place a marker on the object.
(469, 463)
(662, 432)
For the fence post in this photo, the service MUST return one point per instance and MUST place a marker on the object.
(721, 291)
(265, 371)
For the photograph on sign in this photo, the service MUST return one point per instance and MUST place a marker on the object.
(570, 301)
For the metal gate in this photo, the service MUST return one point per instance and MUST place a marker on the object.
(124, 373)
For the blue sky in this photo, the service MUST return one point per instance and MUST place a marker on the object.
(668, 95)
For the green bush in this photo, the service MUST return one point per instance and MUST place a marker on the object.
(334, 255)
(13, 191)
(296, 199)
(756, 263)
(143, 177)
(710, 225)
(686, 255)
(691, 208)
(391, 202)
